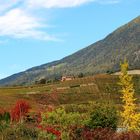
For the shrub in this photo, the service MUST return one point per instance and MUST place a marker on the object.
(20, 132)
(4, 121)
(62, 121)
(62, 118)
(103, 116)
(19, 111)
(4, 115)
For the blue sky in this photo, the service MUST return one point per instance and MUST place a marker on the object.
(34, 32)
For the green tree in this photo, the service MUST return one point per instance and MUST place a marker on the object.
(103, 116)
(81, 75)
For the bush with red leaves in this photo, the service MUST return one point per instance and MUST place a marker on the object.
(51, 130)
(19, 111)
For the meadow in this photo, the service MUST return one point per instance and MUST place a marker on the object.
(67, 108)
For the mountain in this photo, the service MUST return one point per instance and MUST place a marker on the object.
(100, 57)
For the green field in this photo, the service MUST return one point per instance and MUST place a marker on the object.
(77, 91)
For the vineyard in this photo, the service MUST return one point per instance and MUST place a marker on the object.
(77, 91)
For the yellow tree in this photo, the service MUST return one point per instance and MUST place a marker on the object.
(130, 117)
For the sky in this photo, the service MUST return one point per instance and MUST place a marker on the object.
(35, 32)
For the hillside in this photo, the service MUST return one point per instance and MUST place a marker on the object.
(100, 57)
(78, 91)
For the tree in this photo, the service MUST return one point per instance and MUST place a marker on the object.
(42, 81)
(130, 118)
(104, 115)
(81, 75)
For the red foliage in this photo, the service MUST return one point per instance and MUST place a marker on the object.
(51, 130)
(19, 111)
(38, 118)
